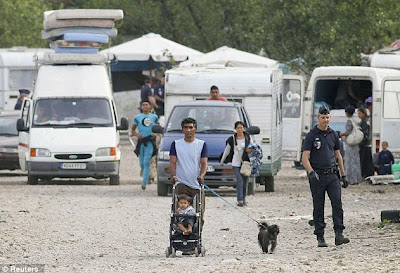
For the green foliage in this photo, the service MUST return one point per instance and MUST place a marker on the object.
(21, 23)
(304, 34)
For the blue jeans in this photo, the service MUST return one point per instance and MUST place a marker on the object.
(241, 184)
(146, 151)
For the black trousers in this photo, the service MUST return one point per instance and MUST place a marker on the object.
(367, 166)
(331, 185)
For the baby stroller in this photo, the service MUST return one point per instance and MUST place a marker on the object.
(188, 244)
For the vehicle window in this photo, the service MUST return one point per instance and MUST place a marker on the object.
(391, 99)
(8, 125)
(208, 118)
(22, 79)
(73, 112)
(291, 98)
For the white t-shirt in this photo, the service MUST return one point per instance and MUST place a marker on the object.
(238, 152)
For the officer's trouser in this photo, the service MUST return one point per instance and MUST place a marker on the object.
(327, 183)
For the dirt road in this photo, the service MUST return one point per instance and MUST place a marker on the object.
(88, 226)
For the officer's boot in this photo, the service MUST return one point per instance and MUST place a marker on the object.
(321, 241)
(340, 239)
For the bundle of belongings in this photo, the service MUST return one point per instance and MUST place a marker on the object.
(79, 30)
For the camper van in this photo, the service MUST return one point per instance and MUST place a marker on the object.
(17, 71)
(258, 90)
(376, 88)
(69, 128)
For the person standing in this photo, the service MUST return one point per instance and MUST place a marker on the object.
(236, 151)
(320, 152)
(385, 160)
(145, 148)
(146, 94)
(367, 166)
(214, 94)
(352, 155)
(159, 95)
(188, 162)
(23, 93)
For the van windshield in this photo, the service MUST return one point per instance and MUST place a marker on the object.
(73, 112)
(209, 119)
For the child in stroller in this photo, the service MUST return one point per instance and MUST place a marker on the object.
(184, 232)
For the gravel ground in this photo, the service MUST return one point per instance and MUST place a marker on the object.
(88, 226)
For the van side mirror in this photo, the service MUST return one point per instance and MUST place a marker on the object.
(253, 130)
(21, 126)
(157, 128)
(124, 124)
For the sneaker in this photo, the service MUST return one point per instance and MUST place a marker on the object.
(321, 241)
(240, 204)
(340, 239)
(143, 187)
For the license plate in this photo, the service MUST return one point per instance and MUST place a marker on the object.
(210, 169)
(73, 166)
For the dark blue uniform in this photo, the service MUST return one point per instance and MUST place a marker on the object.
(385, 162)
(322, 146)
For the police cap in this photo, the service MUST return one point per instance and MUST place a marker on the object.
(323, 110)
(24, 91)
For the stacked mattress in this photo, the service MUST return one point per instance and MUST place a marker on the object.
(79, 30)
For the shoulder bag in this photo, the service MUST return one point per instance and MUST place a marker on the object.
(356, 135)
(245, 169)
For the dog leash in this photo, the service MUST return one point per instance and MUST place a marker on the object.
(219, 196)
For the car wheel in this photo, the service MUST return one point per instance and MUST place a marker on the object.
(162, 189)
(32, 179)
(269, 184)
(114, 180)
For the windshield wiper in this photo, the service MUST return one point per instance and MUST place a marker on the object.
(216, 131)
(175, 131)
(88, 124)
(8, 134)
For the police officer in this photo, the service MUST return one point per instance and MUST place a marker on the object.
(22, 94)
(321, 149)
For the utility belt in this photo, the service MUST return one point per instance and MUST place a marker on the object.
(332, 170)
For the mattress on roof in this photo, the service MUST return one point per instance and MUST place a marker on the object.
(74, 58)
(57, 32)
(54, 23)
(113, 14)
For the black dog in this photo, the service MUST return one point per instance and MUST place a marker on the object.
(268, 235)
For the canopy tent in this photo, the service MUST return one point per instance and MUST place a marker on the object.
(149, 52)
(228, 56)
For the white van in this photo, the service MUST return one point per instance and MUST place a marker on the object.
(259, 90)
(69, 129)
(17, 71)
(379, 85)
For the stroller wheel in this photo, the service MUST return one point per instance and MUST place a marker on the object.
(170, 252)
(197, 252)
(203, 251)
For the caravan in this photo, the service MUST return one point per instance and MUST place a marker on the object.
(379, 87)
(17, 71)
(258, 96)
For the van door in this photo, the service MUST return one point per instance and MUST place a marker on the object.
(292, 109)
(390, 123)
(23, 138)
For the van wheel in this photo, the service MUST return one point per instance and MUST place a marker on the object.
(162, 189)
(32, 180)
(269, 184)
(251, 187)
(390, 215)
(114, 180)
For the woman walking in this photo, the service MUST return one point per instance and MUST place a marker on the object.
(367, 166)
(236, 152)
(352, 155)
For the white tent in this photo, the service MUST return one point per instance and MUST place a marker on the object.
(154, 46)
(228, 56)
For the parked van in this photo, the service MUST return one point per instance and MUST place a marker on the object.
(17, 71)
(69, 129)
(329, 86)
(259, 90)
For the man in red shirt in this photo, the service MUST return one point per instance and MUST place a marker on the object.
(214, 92)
